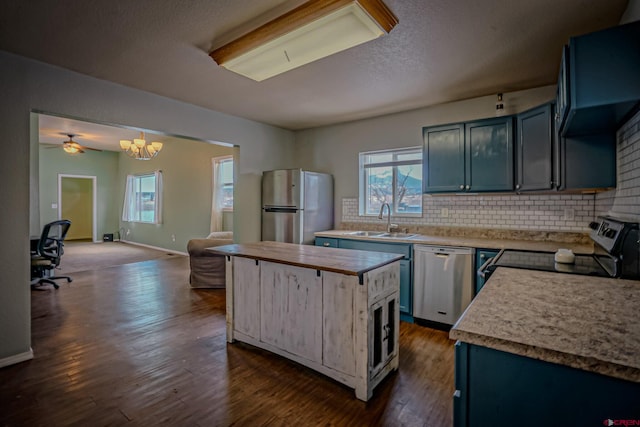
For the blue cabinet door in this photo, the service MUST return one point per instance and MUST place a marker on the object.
(534, 145)
(482, 256)
(489, 153)
(495, 388)
(602, 85)
(406, 298)
(443, 159)
(587, 162)
(327, 242)
(563, 96)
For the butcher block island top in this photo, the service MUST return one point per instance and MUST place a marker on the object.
(333, 310)
(343, 261)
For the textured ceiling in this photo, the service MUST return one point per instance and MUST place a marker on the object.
(441, 51)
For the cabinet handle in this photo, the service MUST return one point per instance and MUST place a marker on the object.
(326, 244)
(482, 256)
(461, 186)
(468, 186)
(517, 186)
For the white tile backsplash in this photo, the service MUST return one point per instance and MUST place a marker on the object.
(624, 201)
(520, 212)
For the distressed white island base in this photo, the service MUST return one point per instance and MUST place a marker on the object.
(332, 310)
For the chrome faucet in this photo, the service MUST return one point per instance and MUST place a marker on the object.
(389, 225)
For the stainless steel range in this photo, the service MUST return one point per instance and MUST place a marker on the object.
(616, 254)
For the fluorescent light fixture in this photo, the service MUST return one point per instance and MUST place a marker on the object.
(316, 29)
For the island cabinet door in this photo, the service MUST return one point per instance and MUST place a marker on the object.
(291, 309)
(246, 297)
(339, 306)
(383, 333)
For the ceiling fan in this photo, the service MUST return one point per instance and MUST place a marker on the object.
(73, 147)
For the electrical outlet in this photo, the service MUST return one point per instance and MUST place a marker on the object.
(444, 212)
(173, 237)
(128, 231)
(569, 214)
(54, 206)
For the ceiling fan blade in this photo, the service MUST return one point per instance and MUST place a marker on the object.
(89, 148)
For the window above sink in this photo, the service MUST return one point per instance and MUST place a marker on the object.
(393, 177)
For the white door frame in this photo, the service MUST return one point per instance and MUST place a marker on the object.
(94, 219)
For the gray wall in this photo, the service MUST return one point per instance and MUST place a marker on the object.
(28, 86)
(334, 149)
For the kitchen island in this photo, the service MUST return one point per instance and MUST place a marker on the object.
(332, 310)
(540, 348)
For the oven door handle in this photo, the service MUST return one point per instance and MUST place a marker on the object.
(482, 271)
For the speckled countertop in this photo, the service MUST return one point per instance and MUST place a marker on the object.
(585, 322)
(472, 242)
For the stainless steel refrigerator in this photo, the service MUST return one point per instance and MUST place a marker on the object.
(296, 204)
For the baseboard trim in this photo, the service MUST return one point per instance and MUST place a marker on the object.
(16, 358)
(128, 242)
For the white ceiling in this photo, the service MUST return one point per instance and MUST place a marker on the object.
(442, 50)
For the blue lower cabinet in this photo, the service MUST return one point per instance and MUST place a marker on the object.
(327, 242)
(406, 267)
(460, 383)
(482, 255)
(495, 388)
(405, 299)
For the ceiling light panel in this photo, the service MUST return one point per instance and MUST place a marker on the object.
(313, 31)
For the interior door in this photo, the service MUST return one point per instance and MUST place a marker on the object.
(76, 205)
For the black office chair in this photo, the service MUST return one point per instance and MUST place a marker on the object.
(48, 253)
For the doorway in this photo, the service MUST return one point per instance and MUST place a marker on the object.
(77, 203)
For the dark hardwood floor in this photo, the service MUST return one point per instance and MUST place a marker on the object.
(134, 345)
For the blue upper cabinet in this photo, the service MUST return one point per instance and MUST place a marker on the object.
(469, 157)
(599, 81)
(443, 158)
(562, 91)
(489, 155)
(534, 145)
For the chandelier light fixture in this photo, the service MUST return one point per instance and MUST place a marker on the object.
(314, 30)
(139, 149)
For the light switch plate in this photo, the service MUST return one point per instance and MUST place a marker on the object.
(54, 206)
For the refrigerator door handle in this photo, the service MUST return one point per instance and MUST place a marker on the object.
(285, 209)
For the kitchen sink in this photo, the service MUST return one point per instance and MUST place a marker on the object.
(366, 233)
(397, 235)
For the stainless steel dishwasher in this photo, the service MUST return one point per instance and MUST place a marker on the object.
(442, 282)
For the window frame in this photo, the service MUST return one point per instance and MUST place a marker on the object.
(394, 152)
(220, 161)
(134, 214)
